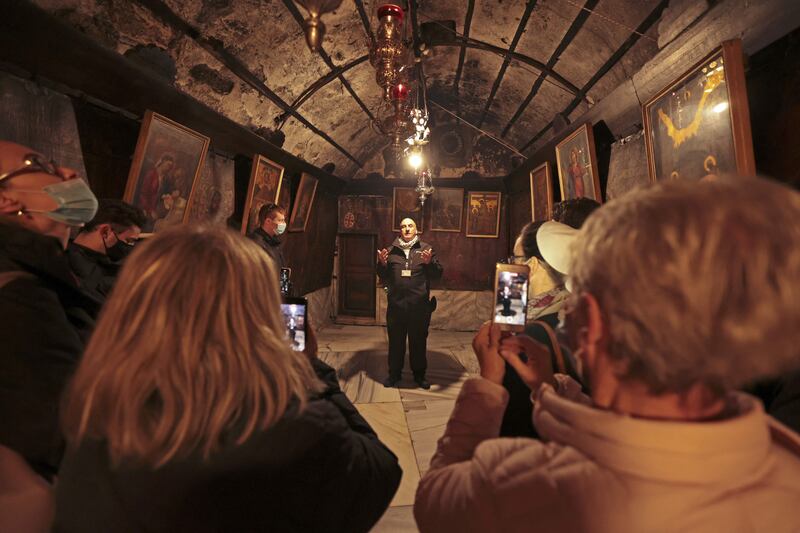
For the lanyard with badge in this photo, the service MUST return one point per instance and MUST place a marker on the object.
(406, 272)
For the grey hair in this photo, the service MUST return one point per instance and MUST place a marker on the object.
(697, 282)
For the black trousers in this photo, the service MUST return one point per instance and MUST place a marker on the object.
(411, 324)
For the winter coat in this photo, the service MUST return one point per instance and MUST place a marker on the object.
(409, 292)
(271, 245)
(45, 321)
(322, 469)
(600, 471)
(96, 273)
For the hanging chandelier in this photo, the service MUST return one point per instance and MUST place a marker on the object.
(314, 27)
(388, 52)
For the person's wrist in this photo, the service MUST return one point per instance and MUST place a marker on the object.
(493, 375)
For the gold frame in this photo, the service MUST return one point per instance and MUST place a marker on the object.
(587, 128)
(738, 107)
(497, 218)
(258, 160)
(548, 178)
(304, 177)
(139, 153)
(460, 215)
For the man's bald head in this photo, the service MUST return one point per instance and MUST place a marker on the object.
(408, 229)
(22, 193)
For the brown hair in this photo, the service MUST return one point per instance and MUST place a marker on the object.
(190, 351)
(268, 210)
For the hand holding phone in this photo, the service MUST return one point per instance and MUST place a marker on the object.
(511, 296)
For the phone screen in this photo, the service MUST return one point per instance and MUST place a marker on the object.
(511, 298)
(294, 314)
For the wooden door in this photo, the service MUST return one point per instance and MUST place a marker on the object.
(357, 275)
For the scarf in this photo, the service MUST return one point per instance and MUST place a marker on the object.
(548, 295)
(400, 243)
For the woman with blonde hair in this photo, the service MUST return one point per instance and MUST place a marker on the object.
(190, 412)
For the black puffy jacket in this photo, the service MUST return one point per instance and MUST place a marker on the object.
(45, 321)
(409, 292)
(323, 469)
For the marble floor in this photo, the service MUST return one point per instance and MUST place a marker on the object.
(409, 420)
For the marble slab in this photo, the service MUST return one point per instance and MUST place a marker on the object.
(389, 422)
(320, 307)
(426, 424)
(397, 520)
(465, 356)
(361, 375)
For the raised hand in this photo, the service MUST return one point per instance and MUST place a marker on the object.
(537, 369)
(426, 255)
(383, 256)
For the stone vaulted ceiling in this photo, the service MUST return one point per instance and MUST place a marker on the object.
(522, 63)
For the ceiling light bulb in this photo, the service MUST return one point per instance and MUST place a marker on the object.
(415, 160)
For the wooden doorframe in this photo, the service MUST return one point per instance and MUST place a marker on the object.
(341, 317)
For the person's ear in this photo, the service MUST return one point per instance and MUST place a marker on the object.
(593, 336)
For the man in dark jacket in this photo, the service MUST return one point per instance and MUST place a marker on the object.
(407, 270)
(45, 319)
(96, 254)
(271, 223)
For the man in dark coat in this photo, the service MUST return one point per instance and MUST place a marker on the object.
(271, 223)
(407, 270)
(45, 319)
(96, 254)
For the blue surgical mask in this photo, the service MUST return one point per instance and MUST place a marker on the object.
(281, 228)
(76, 203)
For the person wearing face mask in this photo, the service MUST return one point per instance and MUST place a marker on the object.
(96, 253)
(542, 246)
(271, 224)
(682, 293)
(45, 320)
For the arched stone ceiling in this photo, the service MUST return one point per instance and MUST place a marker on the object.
(247, 59)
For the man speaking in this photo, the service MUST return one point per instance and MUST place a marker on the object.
(407, 270)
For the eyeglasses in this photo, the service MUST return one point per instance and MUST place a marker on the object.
(33, 164)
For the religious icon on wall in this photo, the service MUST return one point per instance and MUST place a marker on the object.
(360, 214)
(303, 202)
(285, 194)
(541, 192)
(483, 214)
(266, 178)
(699, 125)
(406, 204)
(165, 168)
(213, 197)
(577, 165)
(447, 206)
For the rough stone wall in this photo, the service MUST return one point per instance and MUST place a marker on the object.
(264, 36)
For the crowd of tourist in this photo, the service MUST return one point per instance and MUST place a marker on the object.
(656, 386)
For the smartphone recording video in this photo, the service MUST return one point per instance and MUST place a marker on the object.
(294, 314)
(511, 296)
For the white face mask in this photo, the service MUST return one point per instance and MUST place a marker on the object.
(281, 227)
